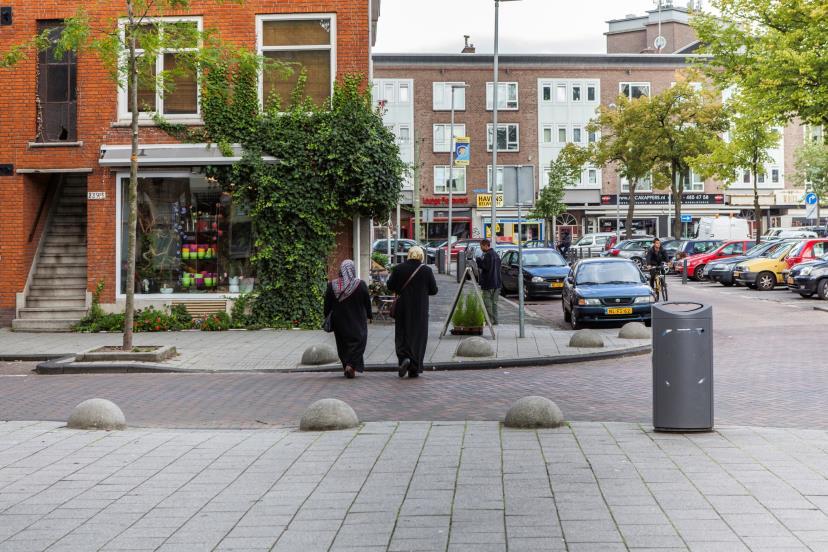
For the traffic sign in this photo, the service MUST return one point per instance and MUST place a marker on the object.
(686, 218)
(811, 199)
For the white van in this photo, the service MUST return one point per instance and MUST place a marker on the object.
(723, 228)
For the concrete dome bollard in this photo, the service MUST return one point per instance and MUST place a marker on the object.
(96, 414)
(316, 355)
(533, 412)
(586, 339)
(634, 330)
(328, 414)
(474, 347)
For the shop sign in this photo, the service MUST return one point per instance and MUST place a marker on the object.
(664, 199)
(484, 201)
(443, 200)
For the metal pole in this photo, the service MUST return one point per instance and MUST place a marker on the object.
(493, 222)
(416, 178)
(398, 222)
(618, 216)
(450, 184)
(521, 306)
(684, 271)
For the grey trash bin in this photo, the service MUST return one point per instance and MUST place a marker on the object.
(441, 261)
(682, 367)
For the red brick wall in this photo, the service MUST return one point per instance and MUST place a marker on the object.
(97, 111)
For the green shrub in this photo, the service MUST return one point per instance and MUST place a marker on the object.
(469, 312)
(181, 315)
(380, 258)
(151, 319)
(216, 322)
(240, 311)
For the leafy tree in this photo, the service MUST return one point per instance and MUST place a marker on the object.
(626, 143)
(811, 167)
(685, 124)
(563, 171)
(772, 50)
(750, 137)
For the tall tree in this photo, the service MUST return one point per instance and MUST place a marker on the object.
(685, 123)
(811, 167)
(563, 171)
(625, 143)
(772, 50)
(745, 148)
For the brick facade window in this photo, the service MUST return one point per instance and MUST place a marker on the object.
(306, 42)
(56, 90)
(634, 90)
(507, 95)
(508, 137)
(442, 144)
(442, 175)
(441, 100)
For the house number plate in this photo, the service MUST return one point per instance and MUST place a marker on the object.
(95, 195)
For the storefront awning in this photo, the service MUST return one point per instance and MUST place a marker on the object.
(169, 155)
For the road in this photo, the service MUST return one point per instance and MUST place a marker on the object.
(769, 371)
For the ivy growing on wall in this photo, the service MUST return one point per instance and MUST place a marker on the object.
(333, 162)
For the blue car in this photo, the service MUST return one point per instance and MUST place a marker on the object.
(544, 272)
(606, 290)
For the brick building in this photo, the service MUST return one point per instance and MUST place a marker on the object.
(546, 101)
(64, 156)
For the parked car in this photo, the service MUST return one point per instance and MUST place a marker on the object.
(591, 245)
(544, 271)
(807, 250)
(459, 246)
(634, 250)
(809, 278)
(503, 248)
(765, 272)
(606, 290)
(688, 248)
(399, 249)
(697, 263)
(532, 244)
(777, 233)
(613, 239)
(723, 228)
(722, 270)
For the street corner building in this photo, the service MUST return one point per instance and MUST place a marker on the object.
(64, 162)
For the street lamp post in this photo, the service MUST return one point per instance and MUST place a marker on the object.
(521, 305)
(451, 177)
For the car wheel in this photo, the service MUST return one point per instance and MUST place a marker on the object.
(526, 295)
(648, 323)
(698, 274)
(567, 315)
(727, 284)
(574, 323)
(766, 281)
(822, 289)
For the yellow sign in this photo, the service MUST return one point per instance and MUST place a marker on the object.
(484, 201)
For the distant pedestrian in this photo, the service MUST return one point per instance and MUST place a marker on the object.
(490, 281)
(413, 282)
(349, 303)
(566, 243)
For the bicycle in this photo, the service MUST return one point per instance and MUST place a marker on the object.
(660, 282)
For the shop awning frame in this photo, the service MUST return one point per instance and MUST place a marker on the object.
(172, 155)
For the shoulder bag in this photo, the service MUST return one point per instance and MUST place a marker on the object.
(393, 310)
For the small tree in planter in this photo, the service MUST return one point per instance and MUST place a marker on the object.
(468, 318)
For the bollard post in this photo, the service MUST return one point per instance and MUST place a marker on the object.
(684, 272)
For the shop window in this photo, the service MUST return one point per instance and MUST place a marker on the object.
(306, 44)
(442, 96)
(191, 237)
(56, 89)
(507, 137)
(177, 98)
(442, 143)
(507, 95)
(442, 173)
(634, 90)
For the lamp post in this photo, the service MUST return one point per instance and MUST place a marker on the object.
(521, 305)
(451, 176)
(493, 224)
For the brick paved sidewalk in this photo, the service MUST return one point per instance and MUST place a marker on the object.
(456, 486)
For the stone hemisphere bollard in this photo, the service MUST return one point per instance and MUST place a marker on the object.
(96, 414)
(635, 330)
(328, 414)
(586, 339)
(319, 354)
(474, 347)
(533, 412)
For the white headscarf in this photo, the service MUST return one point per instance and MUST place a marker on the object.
(347, 283)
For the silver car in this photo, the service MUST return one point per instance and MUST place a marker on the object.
(634, 250)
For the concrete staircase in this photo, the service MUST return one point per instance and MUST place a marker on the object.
(57, 294)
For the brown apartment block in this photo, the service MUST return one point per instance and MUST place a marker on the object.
(546, 101)
(61, 200)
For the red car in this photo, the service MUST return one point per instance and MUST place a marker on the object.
(807, 250)
(696, 263)
(460, 246)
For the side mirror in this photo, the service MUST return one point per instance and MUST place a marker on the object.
(570, 279)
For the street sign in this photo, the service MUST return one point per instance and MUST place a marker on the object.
(811, 199)
(484, 201)
(660, 42)
(462, 151)
(686, 218)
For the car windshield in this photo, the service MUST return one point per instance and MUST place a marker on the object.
(626, 246)
(671, 245)
(608, 273)
(778, 250)
(797, 250)
(757, 250)
(543, 258)
(586, 240)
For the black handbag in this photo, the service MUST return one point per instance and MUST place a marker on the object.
(327, 325)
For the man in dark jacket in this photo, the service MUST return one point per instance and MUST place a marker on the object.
(490, 282)
(566, 243)
(656, 256)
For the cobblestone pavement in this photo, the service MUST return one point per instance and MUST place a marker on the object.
(442, 486)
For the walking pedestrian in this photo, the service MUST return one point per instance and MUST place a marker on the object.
(566, 243)
(490, 280)
(413, 282)
(348, 302)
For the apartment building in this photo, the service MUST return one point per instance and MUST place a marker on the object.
(64, 158)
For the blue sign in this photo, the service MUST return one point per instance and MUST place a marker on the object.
(686, 218)
(811, 199)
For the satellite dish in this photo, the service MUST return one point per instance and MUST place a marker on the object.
(660, 42)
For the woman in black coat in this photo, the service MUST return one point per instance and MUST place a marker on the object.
(413, 282)
(348, 300)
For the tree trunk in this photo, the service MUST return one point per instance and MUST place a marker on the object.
(132, 195)
(554, 232)
(630, 209)
(757, 210)
(677, 189)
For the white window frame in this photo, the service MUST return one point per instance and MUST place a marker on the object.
(261, 49)
(398, 134)
(551, 88)
(389, 86)
(459, 130)
(592, 136)
(692, 186)
(581, 92)
(144, 116)
(558, 87)
(558, 134)
(590, 173)
(400, 87)
(631, 84)
(494, 139)
(644, 185)
(594, 89)
(457, 171)
(544, 129)
(580, 131)
(500, 174)
(776, 175)
(507, 85)
(445, 86)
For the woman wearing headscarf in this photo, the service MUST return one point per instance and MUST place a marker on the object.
(413, 282)
(349, 303)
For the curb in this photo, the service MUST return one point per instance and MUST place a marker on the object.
(33, 357)
(823, 309)
(65, 366)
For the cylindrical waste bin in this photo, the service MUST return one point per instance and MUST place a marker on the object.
(682, 367)
(441, 261)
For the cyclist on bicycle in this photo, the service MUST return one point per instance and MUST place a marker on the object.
(656, 256)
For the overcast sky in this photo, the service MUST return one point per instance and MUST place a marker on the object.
(542, 26)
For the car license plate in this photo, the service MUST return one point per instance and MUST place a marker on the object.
(556, 285)
(790, 281)
(625, 310)
(737, 274)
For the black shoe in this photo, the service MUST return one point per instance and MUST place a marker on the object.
(404, 366)
(413, 373)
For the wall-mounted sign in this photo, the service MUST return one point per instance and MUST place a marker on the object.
(462, 151)
(484, 201)
(95, 195)
(443, 200)
(664, 199)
